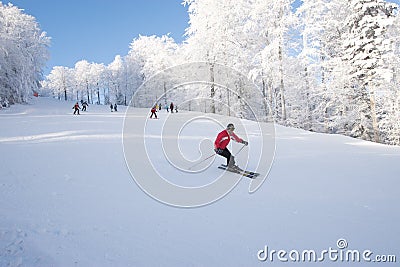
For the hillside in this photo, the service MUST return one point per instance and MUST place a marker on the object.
(68, 199)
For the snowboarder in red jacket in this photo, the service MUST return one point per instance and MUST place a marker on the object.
(222, 141)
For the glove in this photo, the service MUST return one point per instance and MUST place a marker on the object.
(245, 143)
(218, 150)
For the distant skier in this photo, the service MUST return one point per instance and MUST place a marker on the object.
(84, 105)
(111, 107)
(76, 108)
(115, 107)
(176, 109)
(159, 107)
(171, 107)
(221, 143)
(153, 112)
(166, 107)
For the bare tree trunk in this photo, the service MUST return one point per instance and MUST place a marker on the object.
(375, 126)
(212, 88)
(324, 96)
(266, 100)
(280, 56)
(65, 88)
(282, 85)
(87, 91)
(271, 100)
(309, 123)
(91, 96)
(165, 94)
(229, 102)
(264, 92)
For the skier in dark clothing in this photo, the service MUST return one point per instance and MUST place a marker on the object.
(115, 107)
(76, 108)
(221, 143)
(171, 107)
(84, 105)
(153, 112)
(111, 107)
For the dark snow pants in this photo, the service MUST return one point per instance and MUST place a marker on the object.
(153, 113)
(230, 160)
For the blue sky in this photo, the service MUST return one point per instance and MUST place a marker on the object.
(98, 30)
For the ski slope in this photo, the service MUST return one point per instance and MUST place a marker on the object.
(67, 197)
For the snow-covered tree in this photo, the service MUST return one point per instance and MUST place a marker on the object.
(116, 81)
(273, 21)
(215, 36)
(389, 95)
(152, 54)
(229, 33)
(23, 54)
(82, 76)
(365, 49)
(96, 79)
(60, 81)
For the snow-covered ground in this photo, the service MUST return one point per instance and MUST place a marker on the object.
(67, 198)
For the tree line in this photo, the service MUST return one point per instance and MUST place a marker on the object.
(327, 66)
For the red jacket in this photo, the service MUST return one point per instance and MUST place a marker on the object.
(223, 139)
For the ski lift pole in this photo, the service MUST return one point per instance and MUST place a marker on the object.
(201, 161)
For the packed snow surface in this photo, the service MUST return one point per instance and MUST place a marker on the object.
(67, 198)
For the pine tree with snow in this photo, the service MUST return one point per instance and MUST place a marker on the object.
(365, 47)
(389, 95)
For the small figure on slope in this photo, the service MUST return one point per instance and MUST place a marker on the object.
(171, 107)
(221, 143)
(76, 108)
(153, 112)
(111, 107)
(115, 107)
(84, 105)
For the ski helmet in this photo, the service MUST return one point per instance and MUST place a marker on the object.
(230, 126)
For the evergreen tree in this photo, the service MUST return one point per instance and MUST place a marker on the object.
(365, 48)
